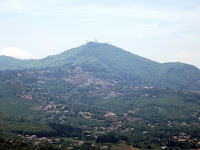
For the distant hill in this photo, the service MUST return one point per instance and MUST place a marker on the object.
(108, 61)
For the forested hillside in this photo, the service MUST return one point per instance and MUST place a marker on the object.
(59, 107)
(107, 61)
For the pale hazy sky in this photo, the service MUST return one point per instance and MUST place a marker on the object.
(161, 30)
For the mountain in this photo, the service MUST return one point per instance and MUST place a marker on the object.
(98, 93)
(108, 61)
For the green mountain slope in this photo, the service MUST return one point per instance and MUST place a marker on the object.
(108, 61)
(71, 103)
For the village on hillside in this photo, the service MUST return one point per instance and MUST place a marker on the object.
(77, 82)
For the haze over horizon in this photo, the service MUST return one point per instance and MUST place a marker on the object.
(163, 31)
